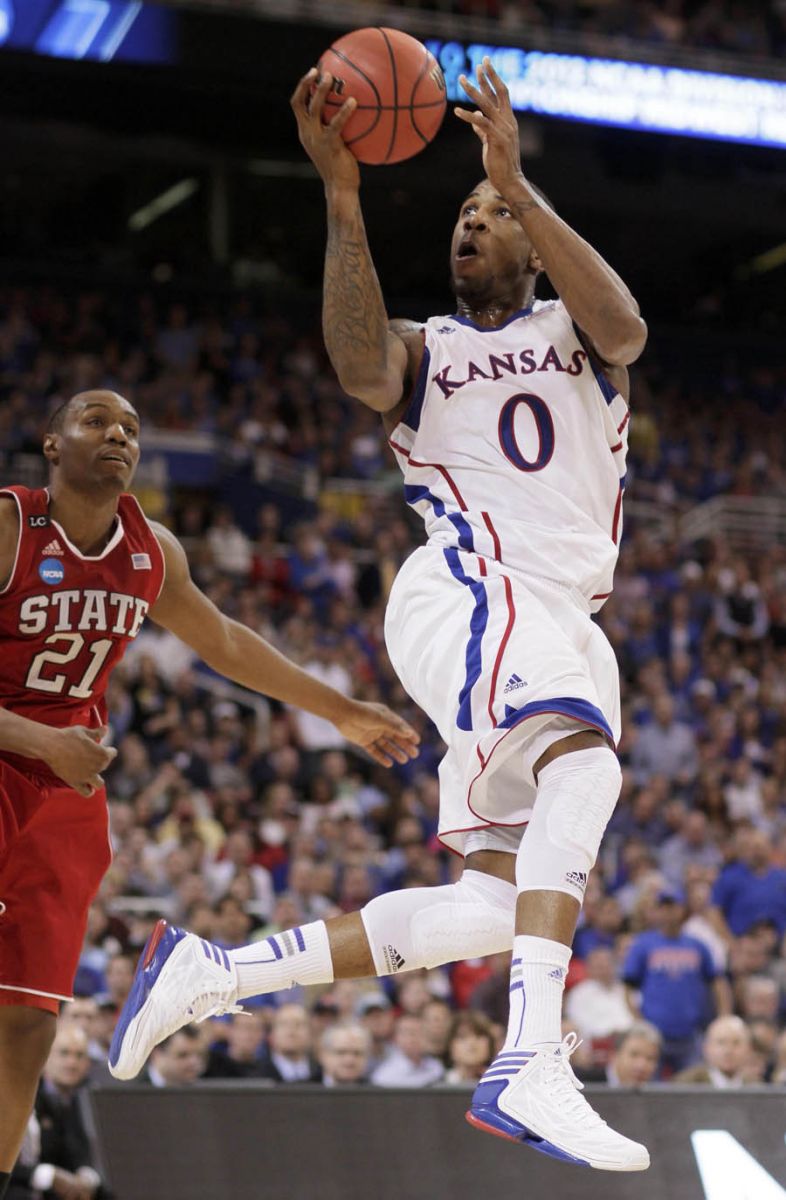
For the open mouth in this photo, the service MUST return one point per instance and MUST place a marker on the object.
(118, 458)
(467, 250)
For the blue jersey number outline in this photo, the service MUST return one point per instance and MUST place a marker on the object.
(543, 422)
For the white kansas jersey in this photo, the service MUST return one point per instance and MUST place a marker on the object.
(513, 447)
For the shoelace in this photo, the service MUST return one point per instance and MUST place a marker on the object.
(216, 1009)
(560, 1078)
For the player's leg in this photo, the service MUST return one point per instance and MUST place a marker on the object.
(181, 978)
(55, 850)
(529, 1093)
(26, 1035)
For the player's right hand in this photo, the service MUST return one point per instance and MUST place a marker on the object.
(77, 757)
(322, 143)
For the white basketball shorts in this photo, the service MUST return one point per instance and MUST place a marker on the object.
(504, 664)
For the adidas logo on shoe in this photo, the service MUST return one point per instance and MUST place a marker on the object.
(394, 960)
(513, 683)
(53, 547)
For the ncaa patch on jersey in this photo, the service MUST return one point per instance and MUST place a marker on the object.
(141, 562)
(52, 571)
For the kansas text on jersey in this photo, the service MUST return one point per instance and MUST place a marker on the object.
(513, 446)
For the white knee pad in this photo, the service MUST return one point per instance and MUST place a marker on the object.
(576, 796)
(425, 927)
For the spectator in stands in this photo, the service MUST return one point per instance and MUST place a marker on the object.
(636, 1056)
(727, 1044)
(740, 610)
(491, 995)
(238, 858)
(379, 1017)
(408, 1064)
(119, 977)
(600, 927)
(238, 1055)
(437, 1018)
(177, 1061)
(471, 1046)
(671, 972)
(692, 846)
(743, 792)
(597, 1006)
(751, 888)
(83, 1012)
(325, 663)
(344, 1054)
(704, 922)
(761, 999)
(229, 547)
(64, 1157)
(665, 746)
(289, 1058)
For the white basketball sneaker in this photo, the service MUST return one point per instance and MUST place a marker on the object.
(533, 1097)
(179, 978)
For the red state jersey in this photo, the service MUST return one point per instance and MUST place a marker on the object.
(67, 617)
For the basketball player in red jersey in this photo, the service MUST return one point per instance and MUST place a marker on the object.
(80, 569)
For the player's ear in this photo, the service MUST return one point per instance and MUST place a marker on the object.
(533, 262)
(52, 448)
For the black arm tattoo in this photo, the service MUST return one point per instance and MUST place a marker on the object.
(354, 319)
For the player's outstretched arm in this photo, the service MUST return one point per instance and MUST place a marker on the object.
(371, 360)
(594, 295)
(243, 656)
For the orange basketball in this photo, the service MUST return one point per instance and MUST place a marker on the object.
(399, 88)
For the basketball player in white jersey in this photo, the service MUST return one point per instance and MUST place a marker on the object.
(509, 422)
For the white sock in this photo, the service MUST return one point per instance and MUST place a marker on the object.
(299, 955)
(537, 981)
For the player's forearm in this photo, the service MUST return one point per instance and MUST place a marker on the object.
(249, 660)
(19, 735)
(594, 295)
(354, 319)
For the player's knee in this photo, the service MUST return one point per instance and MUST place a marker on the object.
(426, 927)
(577, 794)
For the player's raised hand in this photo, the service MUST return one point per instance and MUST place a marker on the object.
(76, 756)
(322, 143)
(383, 735)
(495, 124)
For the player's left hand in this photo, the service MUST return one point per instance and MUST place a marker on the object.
(495, 124)
(383, 735)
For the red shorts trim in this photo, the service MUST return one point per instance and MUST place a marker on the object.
(54, 851)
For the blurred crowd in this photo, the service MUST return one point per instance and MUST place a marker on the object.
(239, 819)
(749, 27)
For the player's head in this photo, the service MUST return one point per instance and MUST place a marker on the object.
(92, 442)
(491, 257)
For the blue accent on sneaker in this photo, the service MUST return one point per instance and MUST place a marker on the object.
(301, 941)
(485, 1112)
(274, 946)
(144, 980)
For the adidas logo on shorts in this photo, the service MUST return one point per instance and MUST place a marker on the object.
(53, 547)
(577, 878)
(513, 683)
(393, 959)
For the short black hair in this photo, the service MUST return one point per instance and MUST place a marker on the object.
(57, 418)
